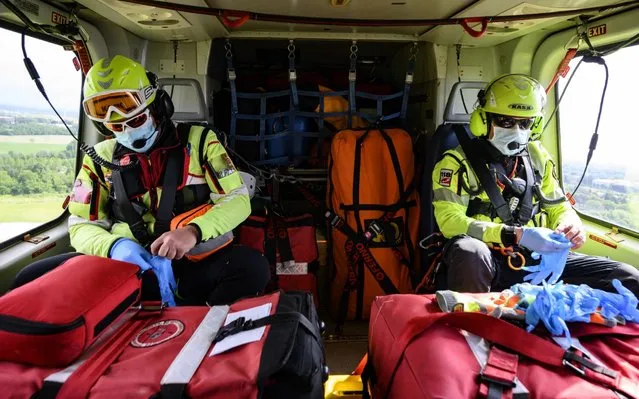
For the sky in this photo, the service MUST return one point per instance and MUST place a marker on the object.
(55, 67)
(618, 143)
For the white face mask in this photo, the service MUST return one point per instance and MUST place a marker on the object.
(509, 141)
(144, 136)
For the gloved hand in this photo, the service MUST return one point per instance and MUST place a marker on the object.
(552, 264)
(163, 270)
(126, 250)
(543, 240)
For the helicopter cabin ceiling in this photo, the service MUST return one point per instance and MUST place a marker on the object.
(161, 24)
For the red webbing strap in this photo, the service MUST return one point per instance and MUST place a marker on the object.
(83, 379)
(510, 337)
(563, 68)
(497, 379)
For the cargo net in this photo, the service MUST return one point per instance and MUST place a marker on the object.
(315, 115)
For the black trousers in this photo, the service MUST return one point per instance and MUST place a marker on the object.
(230, 274)
(470, 266)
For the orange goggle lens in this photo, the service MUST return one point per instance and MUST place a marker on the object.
(134, 123)
(125, 102)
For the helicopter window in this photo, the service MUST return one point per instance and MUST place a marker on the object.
(610, 187)
(37, 154)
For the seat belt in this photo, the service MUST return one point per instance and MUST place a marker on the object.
(481, 170)
(164, 214)
(172, 174)
(131, 216)
(526, 210)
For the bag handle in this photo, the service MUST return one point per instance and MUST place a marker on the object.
(514, 338)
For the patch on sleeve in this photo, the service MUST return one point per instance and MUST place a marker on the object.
(81, 194)
(445, 177)
(229, 167)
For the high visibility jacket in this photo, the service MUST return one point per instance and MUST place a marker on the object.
(95, 223)
(455, 185)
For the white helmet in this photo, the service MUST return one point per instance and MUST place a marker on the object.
(250, 182)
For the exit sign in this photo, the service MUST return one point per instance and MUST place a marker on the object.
(597, 30)
(58, 19)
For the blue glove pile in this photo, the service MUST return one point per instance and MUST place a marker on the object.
(126, 250)
(553, 249)
(555, 305)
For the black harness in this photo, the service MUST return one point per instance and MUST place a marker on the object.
(499, 206)
(131, 212)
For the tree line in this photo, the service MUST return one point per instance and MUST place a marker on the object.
(32, 129)
(46, 172)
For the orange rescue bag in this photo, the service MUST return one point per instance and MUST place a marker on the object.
(374, 212)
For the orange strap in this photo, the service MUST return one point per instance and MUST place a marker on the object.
(563, 68)
(360, 367)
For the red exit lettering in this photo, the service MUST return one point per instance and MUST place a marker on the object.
(58, 19)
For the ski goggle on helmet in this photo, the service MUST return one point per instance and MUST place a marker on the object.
(125, 103)
(117, 89)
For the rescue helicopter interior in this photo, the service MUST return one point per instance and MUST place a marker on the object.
(240, 65)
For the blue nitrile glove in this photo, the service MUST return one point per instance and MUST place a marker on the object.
(622, 304)
(163, 270)
(581, 301)
(126, 250)
(550, 307)
(552, 264)
(543, 240)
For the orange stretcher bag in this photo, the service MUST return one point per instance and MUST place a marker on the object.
(374, 212)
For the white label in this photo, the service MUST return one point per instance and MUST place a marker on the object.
(244, 337)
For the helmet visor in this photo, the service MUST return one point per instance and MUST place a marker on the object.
(125, 103)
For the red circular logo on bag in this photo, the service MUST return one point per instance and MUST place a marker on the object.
(158, 333)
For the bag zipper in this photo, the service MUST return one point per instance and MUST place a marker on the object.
(17, 325)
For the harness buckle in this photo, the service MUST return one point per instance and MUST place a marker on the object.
(231, 74)
(585, 363)
(497, 381)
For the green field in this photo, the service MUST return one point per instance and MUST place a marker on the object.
(33, 144)
(30, 148)
(30, 208)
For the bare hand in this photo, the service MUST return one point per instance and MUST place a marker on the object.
(574, 232)
(174, 244)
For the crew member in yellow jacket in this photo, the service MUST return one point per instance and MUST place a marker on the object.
(124, 101)
(533, 205)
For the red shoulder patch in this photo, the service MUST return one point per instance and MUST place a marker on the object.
(445, 177)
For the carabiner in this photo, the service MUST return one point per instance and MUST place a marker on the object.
(521, 258)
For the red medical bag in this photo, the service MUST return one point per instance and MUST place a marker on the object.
(172, 353)
(417, 351)
(53, 319)
(290, 245)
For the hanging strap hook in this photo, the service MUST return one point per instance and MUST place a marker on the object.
(475, 33)
(239, 18)
(229, 49)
